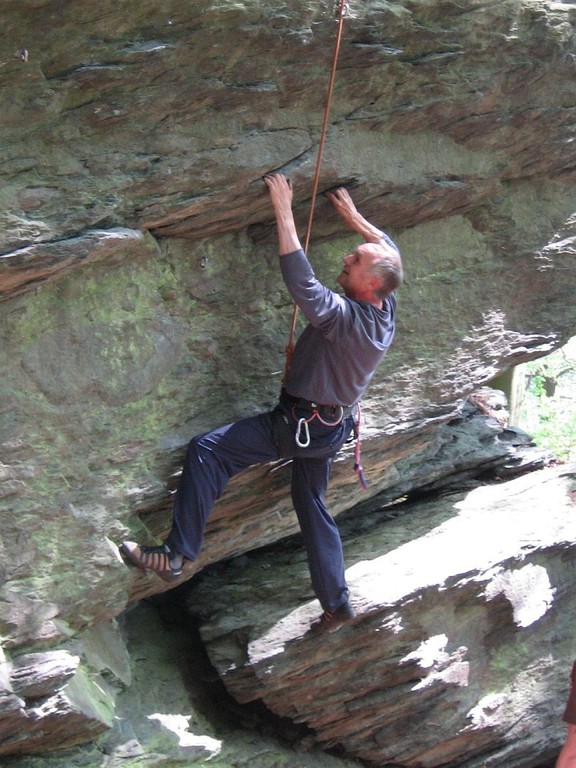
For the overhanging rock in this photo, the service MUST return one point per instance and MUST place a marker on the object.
(458, 652)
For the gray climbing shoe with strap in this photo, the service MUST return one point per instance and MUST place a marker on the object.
(332, 619)
(165, 562)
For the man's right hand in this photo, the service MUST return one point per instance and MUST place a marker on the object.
(280, 189)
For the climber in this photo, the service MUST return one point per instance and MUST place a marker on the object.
(567, 757)
(333, 362)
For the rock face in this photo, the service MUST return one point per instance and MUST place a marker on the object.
(59, 698)
(141, 300)
(465, 614)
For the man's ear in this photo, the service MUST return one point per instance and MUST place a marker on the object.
(380, 287)
(375, 283)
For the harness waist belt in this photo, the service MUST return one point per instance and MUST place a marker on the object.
(329, 410)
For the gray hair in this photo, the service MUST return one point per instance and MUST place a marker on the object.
(388, 268)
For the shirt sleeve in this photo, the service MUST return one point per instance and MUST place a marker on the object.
(319, 305)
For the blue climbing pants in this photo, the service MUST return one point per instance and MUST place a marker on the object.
(216, 456)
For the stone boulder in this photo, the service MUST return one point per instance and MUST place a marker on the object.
(55, 699)
(457, 655)
(140, 296)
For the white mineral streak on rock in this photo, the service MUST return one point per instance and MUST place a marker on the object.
(444, 667)
(178, 725)
(528, 590)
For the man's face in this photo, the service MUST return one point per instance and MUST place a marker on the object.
(356, 278)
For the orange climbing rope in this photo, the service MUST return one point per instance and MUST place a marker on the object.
(342, 10)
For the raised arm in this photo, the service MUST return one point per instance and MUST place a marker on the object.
(280, 189)
(344, 205)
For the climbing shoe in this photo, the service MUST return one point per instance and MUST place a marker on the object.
(165, 562)
(332, 619)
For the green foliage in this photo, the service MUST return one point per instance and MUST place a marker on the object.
(548, 410)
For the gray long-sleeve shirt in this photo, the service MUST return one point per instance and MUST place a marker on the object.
(337, 353)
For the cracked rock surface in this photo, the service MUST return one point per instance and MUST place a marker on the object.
(141, 303)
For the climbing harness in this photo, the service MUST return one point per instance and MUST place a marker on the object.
(302, 436)
(328, 415)
(302, 424)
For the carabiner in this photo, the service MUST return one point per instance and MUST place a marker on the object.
(302, 427)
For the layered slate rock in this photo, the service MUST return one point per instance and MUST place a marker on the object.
(443, 453)
(457, 656)
(58, 698)
(140, 296)
(24, 269)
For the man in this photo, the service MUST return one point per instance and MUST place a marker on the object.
(332, 364)
(567, 757)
